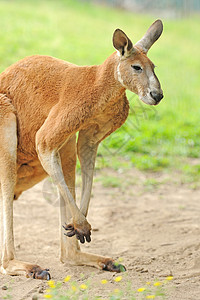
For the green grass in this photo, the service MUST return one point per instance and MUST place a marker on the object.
(119, 288)
(152, 138)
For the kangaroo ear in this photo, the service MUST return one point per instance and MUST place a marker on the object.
(152, 34)
(122, 43)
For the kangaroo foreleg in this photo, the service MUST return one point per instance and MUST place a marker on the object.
(48, 144)
(70, 249)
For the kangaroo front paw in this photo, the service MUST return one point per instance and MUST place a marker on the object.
(37, 273)
(82, 232)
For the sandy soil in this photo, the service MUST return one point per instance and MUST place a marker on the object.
(154, 225)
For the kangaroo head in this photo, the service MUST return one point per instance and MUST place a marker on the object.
(135, 71)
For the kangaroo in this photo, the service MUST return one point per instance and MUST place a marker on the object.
(44, 102)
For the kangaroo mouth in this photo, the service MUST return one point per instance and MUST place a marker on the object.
(148, 99)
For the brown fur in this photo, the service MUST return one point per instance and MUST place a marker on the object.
(51, 100)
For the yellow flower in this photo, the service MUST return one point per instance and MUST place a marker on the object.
(141, 290)
(150, 296)
(51, 283)
(67, 278)
(47, 296)
(169, 277)
(73, 287)
(83, 286)
(104, 281)
(118, 278)
(157, 283)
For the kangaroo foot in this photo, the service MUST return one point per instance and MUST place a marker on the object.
(17, 267)
(113, 266)
(36, 272)
(82, 232)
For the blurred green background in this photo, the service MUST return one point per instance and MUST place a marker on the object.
(157, 139)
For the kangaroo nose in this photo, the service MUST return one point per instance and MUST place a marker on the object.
(156, 96)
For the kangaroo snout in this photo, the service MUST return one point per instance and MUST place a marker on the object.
(157, 96)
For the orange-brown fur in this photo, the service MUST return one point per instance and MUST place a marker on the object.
(51, 101)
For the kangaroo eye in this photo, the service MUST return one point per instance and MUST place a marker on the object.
(136, 68)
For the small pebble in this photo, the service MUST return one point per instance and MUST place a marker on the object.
(140, 269)
(166, 273)
(41, 290)
(144, 271)
(158, 270)
(4, 287)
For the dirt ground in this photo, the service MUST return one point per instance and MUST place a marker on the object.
(152, 221)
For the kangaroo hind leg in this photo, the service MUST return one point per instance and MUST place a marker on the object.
(8, 157)
(8, 150)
